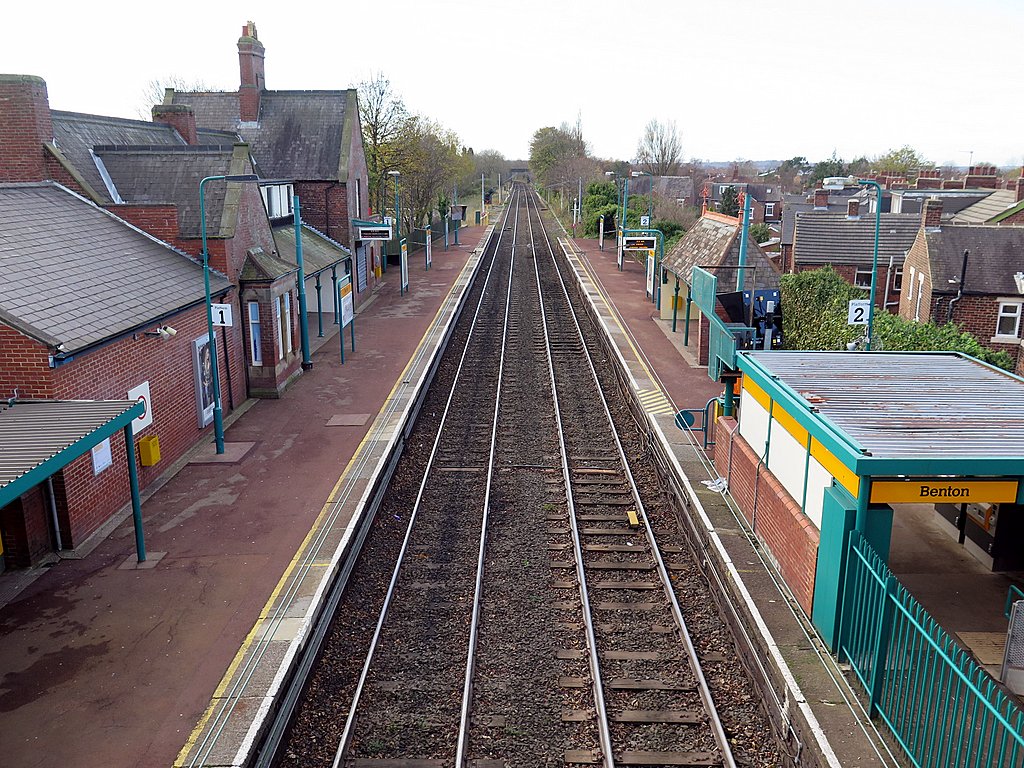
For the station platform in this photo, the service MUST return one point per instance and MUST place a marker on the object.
(963, 595)
(108, 663)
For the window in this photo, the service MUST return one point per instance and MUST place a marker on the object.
(277, 199)
(862, 278)
(255, 337)
(910, 285)
(897, 279)
(283, 321)
(769, 209)
(1008, 322)
(287, 329)
(920, 291)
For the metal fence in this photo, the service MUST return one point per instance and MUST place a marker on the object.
(942, 707)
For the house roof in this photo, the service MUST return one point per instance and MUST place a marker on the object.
(713, 243)
(674, 187)
(76, 135)
(300, 135)
(318, 251)
(996, 254)
(171, 175)
(829, 238)
(795, 204)
(75, 274)
(985, 209)
(763, 193)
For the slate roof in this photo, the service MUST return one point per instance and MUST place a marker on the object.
(795, 204)
(673, 187)
(953, 200)
(75, 274)
(261, 266)
(997, 253)
(713, 241)
(318, 251)
(985, 209)
(763, 193)
(299, 134)
(829, 238)
(171, 175)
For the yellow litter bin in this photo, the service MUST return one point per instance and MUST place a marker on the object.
(149, 450)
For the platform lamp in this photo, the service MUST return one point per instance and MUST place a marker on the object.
(840, 182)
(218, 417)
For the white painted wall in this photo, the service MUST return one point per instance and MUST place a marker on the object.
(753, 422)
(786, 461)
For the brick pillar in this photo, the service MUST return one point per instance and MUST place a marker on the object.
(250, 66)
(181, 117)
(25, 125)
(820, 198)
(1020, 186)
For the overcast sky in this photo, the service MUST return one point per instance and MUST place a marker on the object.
(742, 78)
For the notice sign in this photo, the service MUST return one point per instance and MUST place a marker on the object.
(405, 265)
(221, 314)
(141, 394)
(101, 457)
(428, 248)
(943, 490)
(345, 300)
(650, 273)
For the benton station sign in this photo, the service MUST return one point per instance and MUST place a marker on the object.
(963, 490)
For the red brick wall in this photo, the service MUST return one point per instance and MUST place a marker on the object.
(778, 522)
(849, 273)
(107, 374)
(25, 125)
(978, 315)
(24, 365)
(26, 529)
(252, 230)
(325, 206)
(161, 221)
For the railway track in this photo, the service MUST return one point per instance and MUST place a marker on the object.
(530, 615)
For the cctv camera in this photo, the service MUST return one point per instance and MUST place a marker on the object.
(170, 331)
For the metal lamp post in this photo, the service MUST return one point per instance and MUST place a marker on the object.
(218, 417)
(838, 182)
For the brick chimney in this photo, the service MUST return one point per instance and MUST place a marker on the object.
(931, 214)
(929, 179)
(25, 125)
(820, 199)
(181, 117)
(981, 177)
(1020, 186)
(250, 66)
(853, 208)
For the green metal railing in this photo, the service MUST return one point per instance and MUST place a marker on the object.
(942, 707)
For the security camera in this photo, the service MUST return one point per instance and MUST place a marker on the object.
(168, 332)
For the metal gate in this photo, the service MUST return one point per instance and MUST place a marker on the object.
(942, 707)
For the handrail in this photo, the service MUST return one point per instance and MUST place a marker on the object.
(1009, 598)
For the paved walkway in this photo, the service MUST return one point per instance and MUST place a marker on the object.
(111, 666)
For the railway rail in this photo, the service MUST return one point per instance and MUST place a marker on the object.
(530, 614)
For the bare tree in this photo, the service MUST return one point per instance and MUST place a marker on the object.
(660, 150)
(384, 120)
(152, 93)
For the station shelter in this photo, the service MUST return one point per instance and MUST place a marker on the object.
(821, 453)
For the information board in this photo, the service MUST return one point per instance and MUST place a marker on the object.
(428, 248)
(345, 300)
(639, 243)
(405, 265)
(379, 232)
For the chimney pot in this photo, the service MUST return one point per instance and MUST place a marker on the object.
(252, 81)
(853, 208)
(181, 117)
(820, 199)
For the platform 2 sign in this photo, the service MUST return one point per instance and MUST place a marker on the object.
(943, 490)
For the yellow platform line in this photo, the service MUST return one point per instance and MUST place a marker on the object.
(314, 529)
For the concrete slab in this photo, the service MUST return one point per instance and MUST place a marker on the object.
(233, 453)
(131, 563)
(348, 419)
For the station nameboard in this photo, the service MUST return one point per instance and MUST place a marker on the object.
(945, 489)
(639, 243)
(378, 232)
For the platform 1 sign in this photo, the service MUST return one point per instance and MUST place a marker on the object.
(945, 489)
(639, 243)
(221, 314)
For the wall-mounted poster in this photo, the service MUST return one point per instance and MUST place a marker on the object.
(202, 365)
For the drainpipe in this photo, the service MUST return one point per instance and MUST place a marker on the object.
(53, 513)
(960, 290)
